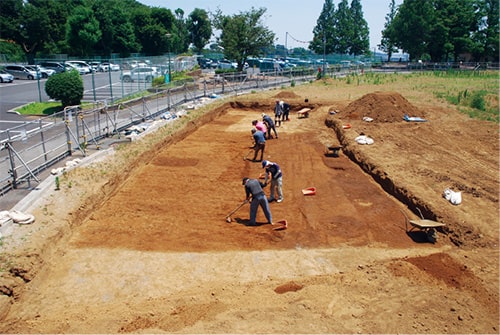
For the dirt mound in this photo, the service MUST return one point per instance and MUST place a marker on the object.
(381, 107)
(286, 95)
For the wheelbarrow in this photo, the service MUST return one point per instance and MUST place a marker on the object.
(428, 227)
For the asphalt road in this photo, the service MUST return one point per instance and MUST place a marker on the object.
(97, 87)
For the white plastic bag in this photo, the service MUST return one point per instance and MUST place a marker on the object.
(363, 139)
(453, 197)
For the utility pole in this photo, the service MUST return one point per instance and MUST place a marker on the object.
(324, 52)
(168, 35)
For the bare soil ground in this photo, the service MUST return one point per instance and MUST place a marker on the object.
(138, 242)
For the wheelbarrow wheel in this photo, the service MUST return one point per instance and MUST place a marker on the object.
(432, 235)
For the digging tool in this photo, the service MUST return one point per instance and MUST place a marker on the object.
(246, 156)
(228, 217)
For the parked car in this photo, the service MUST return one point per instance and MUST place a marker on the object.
(6, 77)
(56, 66)
(225, 64)
(80, 70)
(81, 64)
(205, 63)
(129, 65)
(345, 64)
(43, 71)
(94, 66)
(106, 66)
(22, 72)
(140, 74)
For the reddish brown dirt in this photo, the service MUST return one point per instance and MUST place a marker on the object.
(156, 255)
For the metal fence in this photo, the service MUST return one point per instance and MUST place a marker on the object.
(36, 145)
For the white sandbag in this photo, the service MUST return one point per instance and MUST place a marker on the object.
(363, 139)
(453, 197)
(4, 215)
(21, 218)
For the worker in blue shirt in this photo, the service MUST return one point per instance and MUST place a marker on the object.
(259, 144)
(253, 190)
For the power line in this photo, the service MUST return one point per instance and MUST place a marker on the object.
(296, 40)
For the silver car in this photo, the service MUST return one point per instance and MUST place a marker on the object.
(22, 72)
(45, 73)
(140, 74)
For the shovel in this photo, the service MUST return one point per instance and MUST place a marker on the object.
(228, 217)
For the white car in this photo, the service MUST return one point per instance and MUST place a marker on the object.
(70, 67)
(146, 74)
(86, 68)
(6, 77)
(106, 66)
(95, 66)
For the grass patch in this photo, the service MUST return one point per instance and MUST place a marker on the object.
(475, 93)
(40, 108)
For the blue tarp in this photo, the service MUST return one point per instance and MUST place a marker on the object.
(413, 118)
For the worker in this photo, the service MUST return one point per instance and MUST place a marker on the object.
(274, 172)
(259, 144)
(286, 111)
(268, 121)
(278, 112)
(253, 190)
(260, 125)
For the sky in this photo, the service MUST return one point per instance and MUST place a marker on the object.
(292, 21)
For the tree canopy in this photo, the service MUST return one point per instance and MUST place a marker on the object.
(446, 29)
(343, 31)
(386, 43)
(243, 35)
(200, 28)
(437, 30)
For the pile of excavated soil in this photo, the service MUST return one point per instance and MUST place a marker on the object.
(286, 95)
(381, 107)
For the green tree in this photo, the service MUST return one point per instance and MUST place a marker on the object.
(10, 11)
(27, 27)
(412, 27)
(117, 30)
(452, 29)
(182, 35)
(243, 35)
(83, 31)
(152, 27)
(486, 37)
(360, 39)
(58, 11)
(324, 34)
(66, 87)
(200, 28)
(387, 43)
(345, 31)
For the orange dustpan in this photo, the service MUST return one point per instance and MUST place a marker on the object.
(309, 191)
(281, 225)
